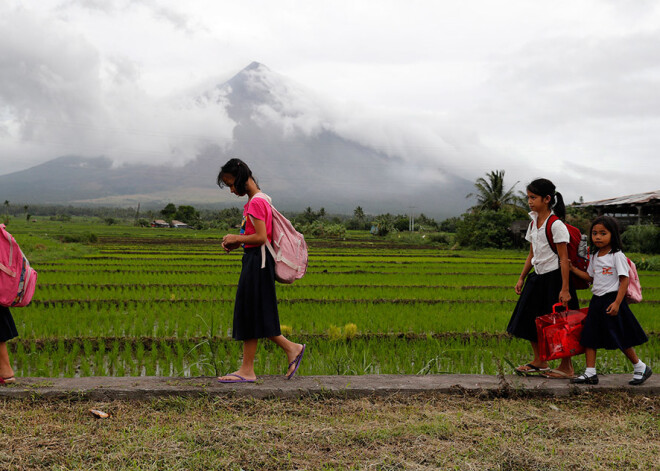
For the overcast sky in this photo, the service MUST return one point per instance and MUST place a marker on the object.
(562, 89)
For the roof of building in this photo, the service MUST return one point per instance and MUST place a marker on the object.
(639, 198)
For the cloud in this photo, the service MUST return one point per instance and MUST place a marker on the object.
(421, 145)
(573, 78)
(174, 17)
(532, 88)
(59, 95)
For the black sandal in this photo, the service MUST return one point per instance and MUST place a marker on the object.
(646, 375)
(584, 379)
(531, 371)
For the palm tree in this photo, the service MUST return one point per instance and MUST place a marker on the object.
(358, 214)
(490, 192)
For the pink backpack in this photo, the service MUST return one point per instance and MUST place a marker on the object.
(289, 249)
(17, 278)
(634, 292)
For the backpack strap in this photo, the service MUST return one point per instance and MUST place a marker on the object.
(548, 231)
(11, 251)
(7, 270)
(264, 196)
(267, 245)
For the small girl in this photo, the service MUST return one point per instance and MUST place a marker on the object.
(549, 283)
(609, 324)
(255, 310)
(7, 332)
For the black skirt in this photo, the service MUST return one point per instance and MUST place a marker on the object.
(7, 327)
(255, 311)
(539, 294)
(611, 332)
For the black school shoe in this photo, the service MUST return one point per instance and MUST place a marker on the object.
(646, 375)
(584, 379)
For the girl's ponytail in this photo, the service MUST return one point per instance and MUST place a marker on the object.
(559, 208)
(544, 187)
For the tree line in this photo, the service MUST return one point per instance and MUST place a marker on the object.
(490, 223)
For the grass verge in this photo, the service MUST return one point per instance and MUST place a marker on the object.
(616, 431)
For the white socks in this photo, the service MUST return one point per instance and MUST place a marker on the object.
(640, 367)
(589, 372)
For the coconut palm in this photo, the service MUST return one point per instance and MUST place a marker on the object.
(490, 192)
(358, 214)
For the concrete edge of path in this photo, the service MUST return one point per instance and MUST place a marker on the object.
(148, 387)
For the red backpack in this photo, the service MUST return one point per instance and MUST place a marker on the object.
(577, 247)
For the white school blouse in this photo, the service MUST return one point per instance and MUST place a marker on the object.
(544, 259)
(606, 270)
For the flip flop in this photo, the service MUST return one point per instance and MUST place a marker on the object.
(531, 370)
(239, 379)
(557, 374)
(10, 380)
(296, 361)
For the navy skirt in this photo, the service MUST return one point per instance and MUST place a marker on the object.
(7, 327)
(255, 311)
(611, 332)
(538, 296)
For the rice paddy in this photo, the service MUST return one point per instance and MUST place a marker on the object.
(144, 301)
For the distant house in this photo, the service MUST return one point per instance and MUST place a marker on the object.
(179, 224)
(519, 229)
(159, 223)
(632, 209)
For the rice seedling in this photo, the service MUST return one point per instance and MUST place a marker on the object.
(145, 302)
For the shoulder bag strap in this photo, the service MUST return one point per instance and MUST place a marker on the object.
(548, 231)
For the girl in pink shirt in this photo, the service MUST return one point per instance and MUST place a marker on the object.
(255, 310)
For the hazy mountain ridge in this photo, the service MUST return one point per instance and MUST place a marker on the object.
(287, 138)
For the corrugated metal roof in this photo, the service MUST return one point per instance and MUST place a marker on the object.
(623, 200)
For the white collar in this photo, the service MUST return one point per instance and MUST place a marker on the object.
(535, 217)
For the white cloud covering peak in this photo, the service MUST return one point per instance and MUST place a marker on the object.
(559, 88)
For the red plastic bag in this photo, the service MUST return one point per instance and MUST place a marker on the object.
(559, 333)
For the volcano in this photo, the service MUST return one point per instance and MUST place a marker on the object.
(297, 145)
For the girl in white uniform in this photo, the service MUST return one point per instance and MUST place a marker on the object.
(610, 323)
(548, 284)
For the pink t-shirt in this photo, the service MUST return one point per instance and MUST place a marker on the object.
(258, 208)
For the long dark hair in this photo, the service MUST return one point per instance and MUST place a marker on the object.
(241, 173)
(612, 225)
(544, 187)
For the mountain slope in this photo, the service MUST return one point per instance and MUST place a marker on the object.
(290, 140)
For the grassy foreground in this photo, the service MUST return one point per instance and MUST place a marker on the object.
(595, 432)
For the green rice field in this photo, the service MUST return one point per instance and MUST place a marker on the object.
(144, 301)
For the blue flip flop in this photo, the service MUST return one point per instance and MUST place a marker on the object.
(239, 379)
(296, 361)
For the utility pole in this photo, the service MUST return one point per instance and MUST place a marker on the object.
(411, 221)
